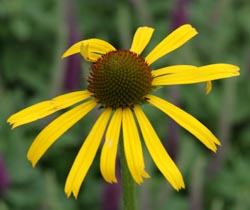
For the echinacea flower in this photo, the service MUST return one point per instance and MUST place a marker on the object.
(120, 81)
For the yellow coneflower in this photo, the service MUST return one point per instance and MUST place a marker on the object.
(120, 81)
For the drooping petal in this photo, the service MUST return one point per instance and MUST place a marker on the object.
(158, 153)
(202, 74)
(179, 69)
(208, 87)
(173, 70)
(88, 54)
(132, 147)
(75, 48)
(55, 129)
(187, 121)
(109, 150)
(173, 41)
(46, 108)
(141, 39)
(86, 155)
(95, 47)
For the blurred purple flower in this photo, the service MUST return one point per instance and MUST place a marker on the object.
(112, 193)
(111, 197)
(73, 64)
(180, 13)
(4, 180)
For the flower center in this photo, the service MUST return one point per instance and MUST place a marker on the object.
(120, 79)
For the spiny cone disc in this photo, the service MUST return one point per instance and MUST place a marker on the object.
(120, 79)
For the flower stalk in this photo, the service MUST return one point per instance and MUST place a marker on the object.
(128, 184)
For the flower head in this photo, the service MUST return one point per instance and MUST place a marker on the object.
(120, 81)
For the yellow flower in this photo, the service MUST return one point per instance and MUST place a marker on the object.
(120, 81)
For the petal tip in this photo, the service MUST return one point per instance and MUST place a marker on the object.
(31, 159)
(66, 54)
(208, 87)
(68, 193)
(33, 163)
(214, 148)
(11, 123)
(236, 68)
(190, 28)
(218, 143)
(180, 186)
(14, 125)
(63, 56)
(75, 193)
(146, 175)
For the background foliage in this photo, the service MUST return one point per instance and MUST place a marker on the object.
(34, 34)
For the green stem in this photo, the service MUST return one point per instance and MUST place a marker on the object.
(128, 185)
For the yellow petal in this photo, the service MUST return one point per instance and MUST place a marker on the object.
(96, 46)
(75, 48)
(158, 153)
(55, 129)
(173, 70)
(187, 121)
(87, 54)
(141, 39)
(201, 74)
(173, 41)
(208, 87)
(132, 147)
(93, 49)
(109, 150)
(179, 69)
(46, 108)
(86, 155)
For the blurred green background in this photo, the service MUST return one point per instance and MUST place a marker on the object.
(33, 36)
